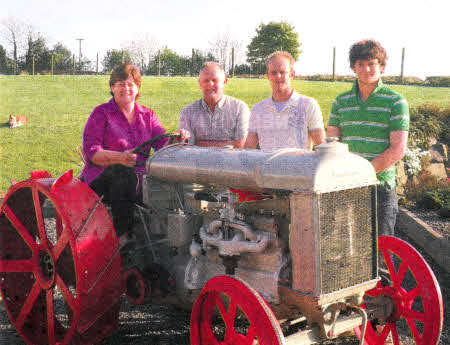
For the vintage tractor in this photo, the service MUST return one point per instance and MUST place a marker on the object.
(266, 248)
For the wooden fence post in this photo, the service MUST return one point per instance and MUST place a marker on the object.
(334, 63)
(32, 70)
(159, 63)
(403, 63)
(96, 68)
(232, 62)
(73, 64)
(52, 65)
(192, 63)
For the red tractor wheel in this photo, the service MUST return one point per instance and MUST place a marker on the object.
(228, 311)
(418, 309)
(60, 282)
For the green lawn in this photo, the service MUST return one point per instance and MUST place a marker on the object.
(57, 108)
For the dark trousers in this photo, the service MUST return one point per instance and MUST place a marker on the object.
(118, 184)
(387, 209)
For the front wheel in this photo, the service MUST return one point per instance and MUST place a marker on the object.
(418, 309)
(229, 311)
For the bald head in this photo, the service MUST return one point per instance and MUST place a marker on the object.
(212, 81)
(211, 65)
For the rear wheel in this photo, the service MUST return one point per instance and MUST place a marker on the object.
(54, 270)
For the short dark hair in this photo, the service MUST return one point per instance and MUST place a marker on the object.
(123, 72)
(366, 50)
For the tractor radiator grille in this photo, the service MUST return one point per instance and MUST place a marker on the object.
(347, 238)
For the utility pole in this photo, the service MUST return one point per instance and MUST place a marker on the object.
(79, 55)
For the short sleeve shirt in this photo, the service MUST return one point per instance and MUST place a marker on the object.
(288, 128)
(228, 121)
(108, 129)
(366, 126)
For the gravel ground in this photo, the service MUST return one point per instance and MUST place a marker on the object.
(166, 325)
(439, 224)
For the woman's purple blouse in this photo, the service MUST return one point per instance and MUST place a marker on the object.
(107, 128)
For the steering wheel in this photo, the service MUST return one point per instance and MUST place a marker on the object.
(139, 149)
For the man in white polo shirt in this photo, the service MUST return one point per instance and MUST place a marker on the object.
(216, 119)
(286, 119)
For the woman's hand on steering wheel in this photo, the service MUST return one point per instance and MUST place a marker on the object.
(128, 158)
(180, 136)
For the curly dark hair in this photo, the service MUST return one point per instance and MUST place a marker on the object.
(366, 50)
(123, 72)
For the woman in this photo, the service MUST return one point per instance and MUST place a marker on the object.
(112, 131)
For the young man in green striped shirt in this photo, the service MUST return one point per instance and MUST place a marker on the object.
(374, 121)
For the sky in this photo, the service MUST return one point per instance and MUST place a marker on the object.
(420, 26)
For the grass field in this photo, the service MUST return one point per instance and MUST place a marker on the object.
(57, 108)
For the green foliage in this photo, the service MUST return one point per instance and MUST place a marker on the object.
(198, 59)
(5, 62)
(429, 121)
(270, 38)
(173, 64)
(434, 199)
(37, 50)
(169, 63)
(428, 192)
(114, 58)
(438, 81)
(62, 57)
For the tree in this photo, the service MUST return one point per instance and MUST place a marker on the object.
(243, 69)
(5, 62)
(168, 63)
(15, 33)
(173, 64)
(270, 38)
(198, 59)
(114, 58)
(38, 50)
(62, 57)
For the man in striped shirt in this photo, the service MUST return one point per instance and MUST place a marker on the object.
(374, 121)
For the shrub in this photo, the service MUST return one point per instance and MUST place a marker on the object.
(429, 121)
(428, 192)
(438, 81)
(433, 199)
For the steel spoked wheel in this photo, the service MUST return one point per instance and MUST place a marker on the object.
(228, 311)
(418, 308)
(48, 287)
